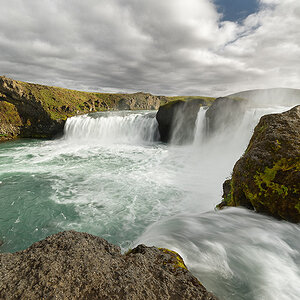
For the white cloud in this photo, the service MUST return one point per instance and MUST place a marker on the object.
(164, 47)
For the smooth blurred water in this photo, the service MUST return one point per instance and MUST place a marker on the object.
(108, 176)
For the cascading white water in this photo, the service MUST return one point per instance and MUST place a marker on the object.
(200, 126)
(107, 176)
(116, 127)
(238, 133)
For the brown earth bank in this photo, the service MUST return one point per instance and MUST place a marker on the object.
(267, 177)
(38, 111)
(73, 265)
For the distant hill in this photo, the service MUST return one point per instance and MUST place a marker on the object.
(39, 111)
(263, 97)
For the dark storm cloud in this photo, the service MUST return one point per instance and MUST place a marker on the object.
(163, 47)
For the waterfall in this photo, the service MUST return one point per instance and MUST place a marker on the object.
(235, 134)
(108, 177)
(113, 127)
(200, 126)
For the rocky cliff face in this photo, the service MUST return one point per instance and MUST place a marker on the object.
(225, 112)
(267, 177)
(73, 265)
(32, 110)
(180, 114)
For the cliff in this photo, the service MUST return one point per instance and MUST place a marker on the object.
(180, 114)
(267, 177)
(73, 265)
(38, 111)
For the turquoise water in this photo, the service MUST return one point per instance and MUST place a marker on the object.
(47, 187)
(109, 177)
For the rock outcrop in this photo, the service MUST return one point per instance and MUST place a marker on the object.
(38, 111)
(267, 177)
(179, 115)
(224, 112)
(267, 97)
(73, 265)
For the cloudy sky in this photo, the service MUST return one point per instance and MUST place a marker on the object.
(170, 47)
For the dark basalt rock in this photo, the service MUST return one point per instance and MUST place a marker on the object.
(267, 177)
(73, 265)
(170, 114)
(224, 112)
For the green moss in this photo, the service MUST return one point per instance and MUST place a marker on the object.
(252, 197)
(262, 129)
(178, 261)
(9, 114)
(265, 180)
(208, 100)
(228, 199)
(170, 104)
(297, 206)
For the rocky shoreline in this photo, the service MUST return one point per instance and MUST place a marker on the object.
(74, 265)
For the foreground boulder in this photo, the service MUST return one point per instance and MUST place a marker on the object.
(267, 177)
(73, 265)
(179, 116)
(39, 111)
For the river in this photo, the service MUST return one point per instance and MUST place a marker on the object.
(110, 177)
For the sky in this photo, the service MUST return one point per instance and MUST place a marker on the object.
(165, 47)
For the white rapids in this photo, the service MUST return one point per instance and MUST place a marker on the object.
(109, 176)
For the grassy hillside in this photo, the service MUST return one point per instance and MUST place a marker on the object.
(208, 100)
(34, 110)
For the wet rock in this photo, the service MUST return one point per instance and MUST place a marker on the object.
(267, 177)
(73, 265)
(225, 112)
(180, 116)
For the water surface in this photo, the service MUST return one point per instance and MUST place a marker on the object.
(108, 176)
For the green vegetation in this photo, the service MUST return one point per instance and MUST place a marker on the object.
(266, 177)
(176, 259)
(208, 100)
(265, 180)
(28, 109)
(9, 114)
(10, 121)
(62, 103)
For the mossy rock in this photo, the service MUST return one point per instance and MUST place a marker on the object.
(267, 177)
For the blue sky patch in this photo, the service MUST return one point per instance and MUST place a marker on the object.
(236, 10)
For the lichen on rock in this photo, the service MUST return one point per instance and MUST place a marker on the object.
(267, 177)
